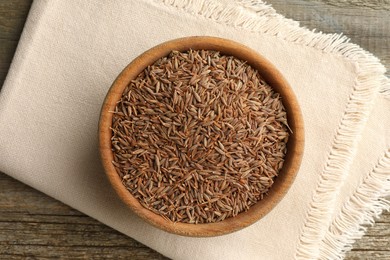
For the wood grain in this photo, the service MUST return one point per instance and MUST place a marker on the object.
(35, 226)
(12, 17)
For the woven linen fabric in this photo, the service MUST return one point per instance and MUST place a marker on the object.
(71, 51)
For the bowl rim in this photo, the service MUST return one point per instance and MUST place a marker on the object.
(272, 76)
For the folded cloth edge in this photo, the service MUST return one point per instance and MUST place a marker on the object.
(365, 204)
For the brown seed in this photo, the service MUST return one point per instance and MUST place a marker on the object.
(198, 137)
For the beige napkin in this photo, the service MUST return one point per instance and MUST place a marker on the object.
(71, 51)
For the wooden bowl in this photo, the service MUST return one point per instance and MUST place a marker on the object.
(271, 75)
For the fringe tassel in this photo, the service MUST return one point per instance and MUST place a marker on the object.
(385, 87)
(337, 166)
(360, 209)
(258, 17)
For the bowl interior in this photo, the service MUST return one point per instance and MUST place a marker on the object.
(270, 74)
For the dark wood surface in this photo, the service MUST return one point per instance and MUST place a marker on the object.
(35, 226)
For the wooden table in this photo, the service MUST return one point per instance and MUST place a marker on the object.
(33, 225)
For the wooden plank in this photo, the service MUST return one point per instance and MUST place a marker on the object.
(373, 4)
(33, 225)
(369, 254)
(65, 252)
(375, 243)
(12, 17)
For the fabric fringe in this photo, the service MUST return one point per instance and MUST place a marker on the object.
(361, 208)
(338, 164)
(385, 87)
(258, 17)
